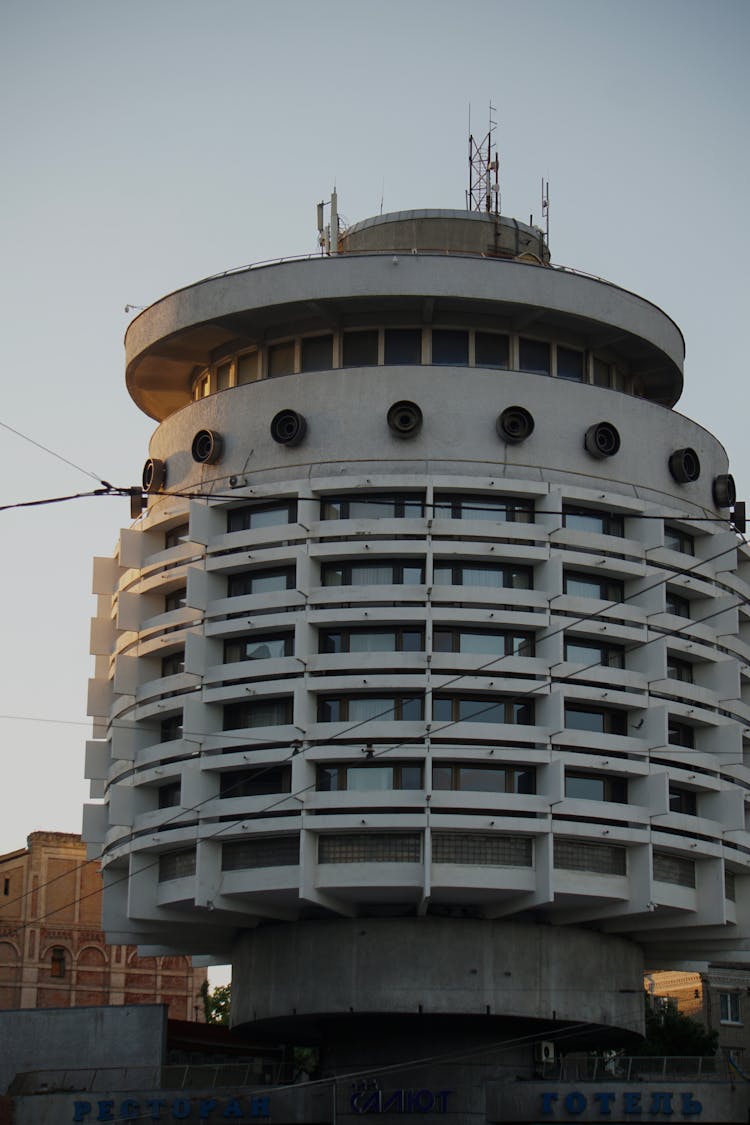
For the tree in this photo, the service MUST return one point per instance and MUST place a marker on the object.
(669, 1032)
(217, 1003)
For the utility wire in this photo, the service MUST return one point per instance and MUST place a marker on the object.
(52, 453)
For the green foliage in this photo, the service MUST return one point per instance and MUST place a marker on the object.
(669, 1032)
(217, 1003)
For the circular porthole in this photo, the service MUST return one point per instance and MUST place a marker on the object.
(724, 491)
(602, 440)
(154, 475)
(685, 466)
(206, 447)
(288, 427)
(405, 419)
(514, 424)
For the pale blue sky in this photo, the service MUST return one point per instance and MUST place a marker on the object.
(151, 143)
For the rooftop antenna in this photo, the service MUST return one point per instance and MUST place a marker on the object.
(545, 209)
(484, 190)
(328, 236)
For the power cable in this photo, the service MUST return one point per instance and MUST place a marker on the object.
(59, 456)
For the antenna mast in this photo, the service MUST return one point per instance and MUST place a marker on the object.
(484, 189)
(545, 209)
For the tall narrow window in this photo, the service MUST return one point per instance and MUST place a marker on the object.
(57, 962)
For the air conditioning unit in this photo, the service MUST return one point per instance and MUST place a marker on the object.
(544, 1051)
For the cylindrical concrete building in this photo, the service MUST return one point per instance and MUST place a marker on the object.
(420, 683)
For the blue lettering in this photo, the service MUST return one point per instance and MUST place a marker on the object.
(106, 1111)
(442, 1100)
(129, 1109)
(575, 1102)
(181, 1108)
(631, 1102)
(81, 1110)
(689, 1107)
(156, 1105)
(663, 1098)
(260, 1107)
(233, 1108)
(206, 1107)
(395, 1102)
(547, 1100)
(605, 1102)
(424, 1101)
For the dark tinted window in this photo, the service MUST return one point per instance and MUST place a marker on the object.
(533, 355)
(360, 349)
(450, 346)
(403, 345)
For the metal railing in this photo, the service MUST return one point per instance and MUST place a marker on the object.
(253, 1074)
(639, 1068)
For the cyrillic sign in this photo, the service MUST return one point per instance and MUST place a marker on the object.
(632, 1103)
(174, 1109)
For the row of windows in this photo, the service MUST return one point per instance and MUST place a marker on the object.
(474, 849)
(446, 776)
(498, 509)
(411, 638)
(446, 708)
(371, 347)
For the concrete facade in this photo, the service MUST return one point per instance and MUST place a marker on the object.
(433, 639)
(53, 953)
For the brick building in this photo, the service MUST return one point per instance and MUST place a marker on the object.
(53, 953)
(718, 997)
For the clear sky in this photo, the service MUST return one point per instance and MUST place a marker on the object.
(148, 144)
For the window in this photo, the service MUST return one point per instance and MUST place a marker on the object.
(263, 713)
(589, 519)
(403, 345)
(399, 639)
(582, 651)
(482, 709)
(682, 801)
(176, 535)
(497, 575)
(273, 851)
(578, 585)
(223, 376)
(450, 347)
(673, 869)
(369, 778)
(256, 783)
(491, 349)
(317, 353)
(385, 573)
(361, 708)
(252, 516)
(729, 1007)
(57, 962)
(598, 720)
(174, 663)
(169, 795)
(481, 849)
(375, 847)
(372, 506)
(676, 604)
(534, 356)
(6, 886)
(281, 359)
(248, 369)
(258, 646)
(483, 779)
(601, 373)
(171, 728)
(175, 599)
(483, 642)
(176, 865)
(498, 509)
(676, 540)
(596, 787)
(575, 855)
(360, 348)
(569, 364)
(680, 734)
(260, 581)
(678, 669)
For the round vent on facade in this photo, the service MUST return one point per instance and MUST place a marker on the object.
(288, 427)
(515, 424)
(206, 447)
(724, 491)
(154, 475)
(405, 419)
(685, 465)
(601, 440)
